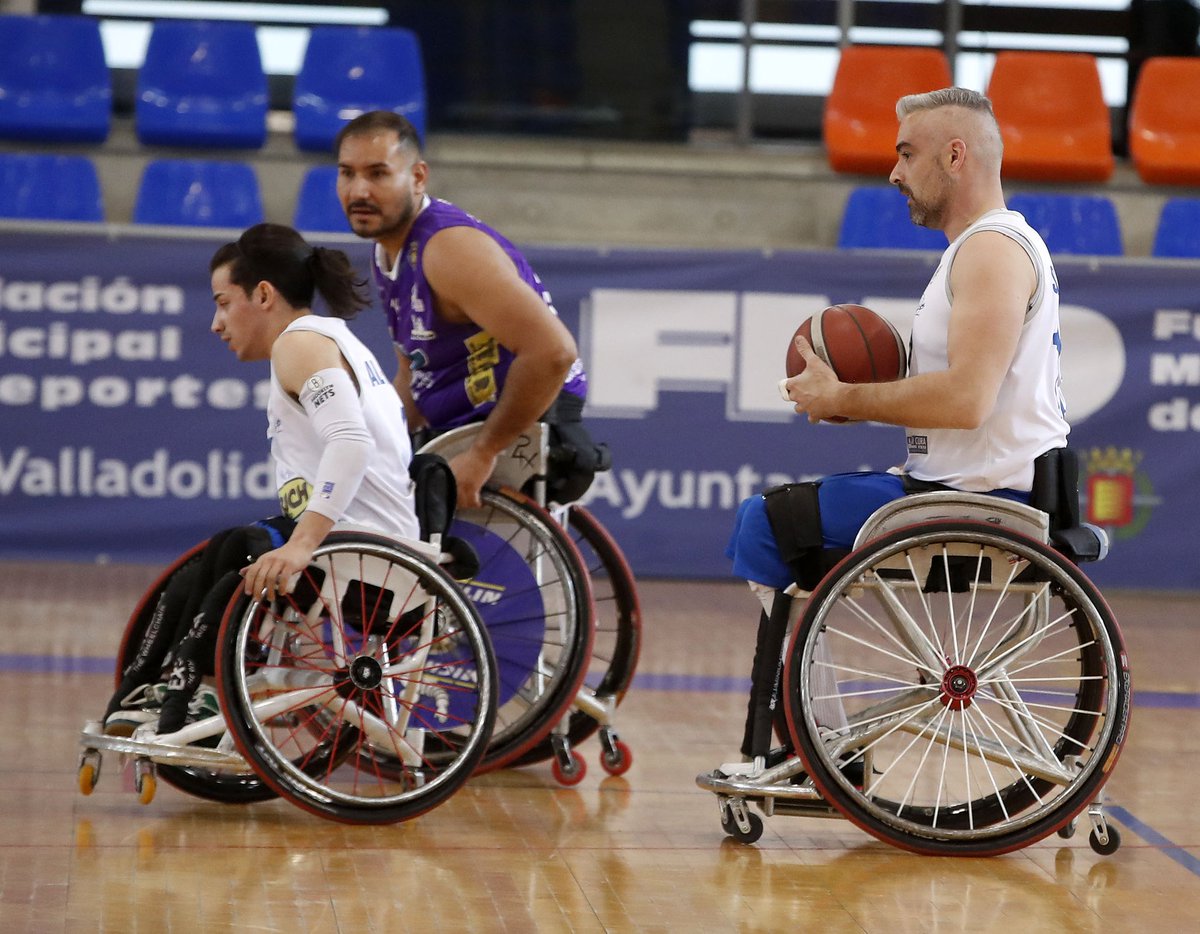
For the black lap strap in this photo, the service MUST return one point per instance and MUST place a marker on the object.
(766, 678)
(794, 512)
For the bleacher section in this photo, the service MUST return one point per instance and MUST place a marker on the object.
(707, 192)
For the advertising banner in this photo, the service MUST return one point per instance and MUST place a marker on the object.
(128, 431)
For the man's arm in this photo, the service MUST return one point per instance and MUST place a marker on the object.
(474, 280)
(403, 384)
(992, 280)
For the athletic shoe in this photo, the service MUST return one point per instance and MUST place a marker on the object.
(139, 706)
(144, 705)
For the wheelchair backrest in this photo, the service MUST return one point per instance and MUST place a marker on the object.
(524, 460)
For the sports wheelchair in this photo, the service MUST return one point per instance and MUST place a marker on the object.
(366, 695)
(561, 605)
(953, 686)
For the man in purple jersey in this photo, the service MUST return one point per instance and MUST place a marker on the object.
(476, 336)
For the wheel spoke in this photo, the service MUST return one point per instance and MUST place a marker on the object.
(977, 687)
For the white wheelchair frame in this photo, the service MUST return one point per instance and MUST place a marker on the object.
(523, 467)
(912, 544)
(304, 670)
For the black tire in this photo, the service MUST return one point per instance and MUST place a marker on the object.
(376, 657)
(988, 704)
(618, 626)
(211, 785)
(729, 825)
(1110, 846)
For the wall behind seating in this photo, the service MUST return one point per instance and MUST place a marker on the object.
(128, 432)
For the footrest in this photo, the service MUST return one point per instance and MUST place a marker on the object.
(745, 787)
(93, 737)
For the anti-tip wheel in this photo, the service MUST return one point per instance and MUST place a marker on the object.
(618, 760)
(730, 826)
(1110, 846)
(145, 783)
(571, 774)
(88, 776)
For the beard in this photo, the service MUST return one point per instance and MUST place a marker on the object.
(930, 210)
(376, 225)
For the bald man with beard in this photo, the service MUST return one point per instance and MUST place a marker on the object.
(983, 398)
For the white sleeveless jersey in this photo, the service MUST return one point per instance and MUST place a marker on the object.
(1029, 417)
(384, 500)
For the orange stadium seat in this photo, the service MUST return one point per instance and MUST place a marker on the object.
(1055, 124)
(1164, 122)
(859, 126)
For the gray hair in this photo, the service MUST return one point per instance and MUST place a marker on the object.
(946, 97)
(963, 98)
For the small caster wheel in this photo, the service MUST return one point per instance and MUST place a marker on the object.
(570, 774)
(89, 774)
(145, 782)
(1067, 830)
(1108, 847)
(617, 760)
(729, 825)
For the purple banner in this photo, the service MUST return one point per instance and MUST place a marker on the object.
(128, 431)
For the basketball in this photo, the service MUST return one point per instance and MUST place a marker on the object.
(859, 345)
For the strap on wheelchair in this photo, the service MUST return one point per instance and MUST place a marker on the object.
(435, 494)
(766, 677)
(794, 513)
(435, 498)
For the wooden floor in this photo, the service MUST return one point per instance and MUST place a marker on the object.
(514, 851)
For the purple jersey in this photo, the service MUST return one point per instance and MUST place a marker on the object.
(458, 370)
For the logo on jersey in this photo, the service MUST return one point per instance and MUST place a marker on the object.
(371, 365)
(417, 330)
(918, 444)
(293, 497)
(483, 355)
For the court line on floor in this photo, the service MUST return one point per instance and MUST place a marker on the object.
(1170, 849)
(47, 663)
(659, 681)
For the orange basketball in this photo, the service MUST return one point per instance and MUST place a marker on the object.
(858, 344)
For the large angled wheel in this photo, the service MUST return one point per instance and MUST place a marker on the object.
(535, 598)
(618, 626)
(209, 784)
(367, 695)
(984, 684)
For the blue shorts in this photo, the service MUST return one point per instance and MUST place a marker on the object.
(846, 500)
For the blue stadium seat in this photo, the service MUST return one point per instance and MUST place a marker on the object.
(1178, 232)
(198, 193)
(877, 218)
(348, 70)
(45, 187)
(54, 83)
(317, 205)
(1074, 224)
(202, 84)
